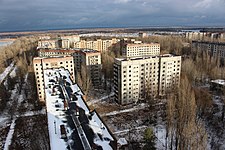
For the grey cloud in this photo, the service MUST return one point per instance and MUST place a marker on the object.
(37, 14)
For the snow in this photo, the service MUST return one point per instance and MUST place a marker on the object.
(127, 130)
(138, 107)
(3, 120)
(6, 72)
(13, 72)
(160, 133)
(10, 135)
(219, 81)
(122, 141)
(55, 115)
(99, 100)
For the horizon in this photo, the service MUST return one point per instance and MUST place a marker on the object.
(117, 27)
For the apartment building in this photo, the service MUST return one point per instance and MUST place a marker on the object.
(68, 40)
(41, 64)
(141, 77)
(169, 72)
(215, 49)
(142, 34)
(195, 35)
(48, 43)
(99, 44)
(90, 59)
(64, 43)
(137, 48)
(44, 37)
(71, 38)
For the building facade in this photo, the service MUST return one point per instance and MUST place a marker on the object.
(99, 44)
(91, 60)
(138, 78)
(82, 58)
(215, 49)
(169, 72)
(41, 64)
(137, 49)
(48, 43)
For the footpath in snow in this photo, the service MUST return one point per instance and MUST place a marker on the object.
(100, 99)
(6, 72)
(138, 107)
(10, 135)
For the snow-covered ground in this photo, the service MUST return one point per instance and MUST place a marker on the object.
(6, 72)
(10, 135)
(94, 101)
(138, 107)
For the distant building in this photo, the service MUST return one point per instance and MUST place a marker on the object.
(71, 38)
(40, 64)
(215, 49)
(99, 44)
(44, 37)
(68, 40)
(138, 78)
(64, 43)
(143, 35)
(48, 43)
(195, 35)
(90, 59)
(137, 48)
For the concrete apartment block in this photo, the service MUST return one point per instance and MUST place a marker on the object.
(169, 73)
(40, 64)
(48, 43)
(99, 44)
(215, 49)
(141, 77)
(137, 48)
(90, 59)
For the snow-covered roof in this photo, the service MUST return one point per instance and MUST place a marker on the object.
(55, 113)
(101, 134)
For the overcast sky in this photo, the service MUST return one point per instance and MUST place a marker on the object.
(52, 14)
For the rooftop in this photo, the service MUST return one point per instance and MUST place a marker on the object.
(68, 50)
(63, 99)
(144, 57)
